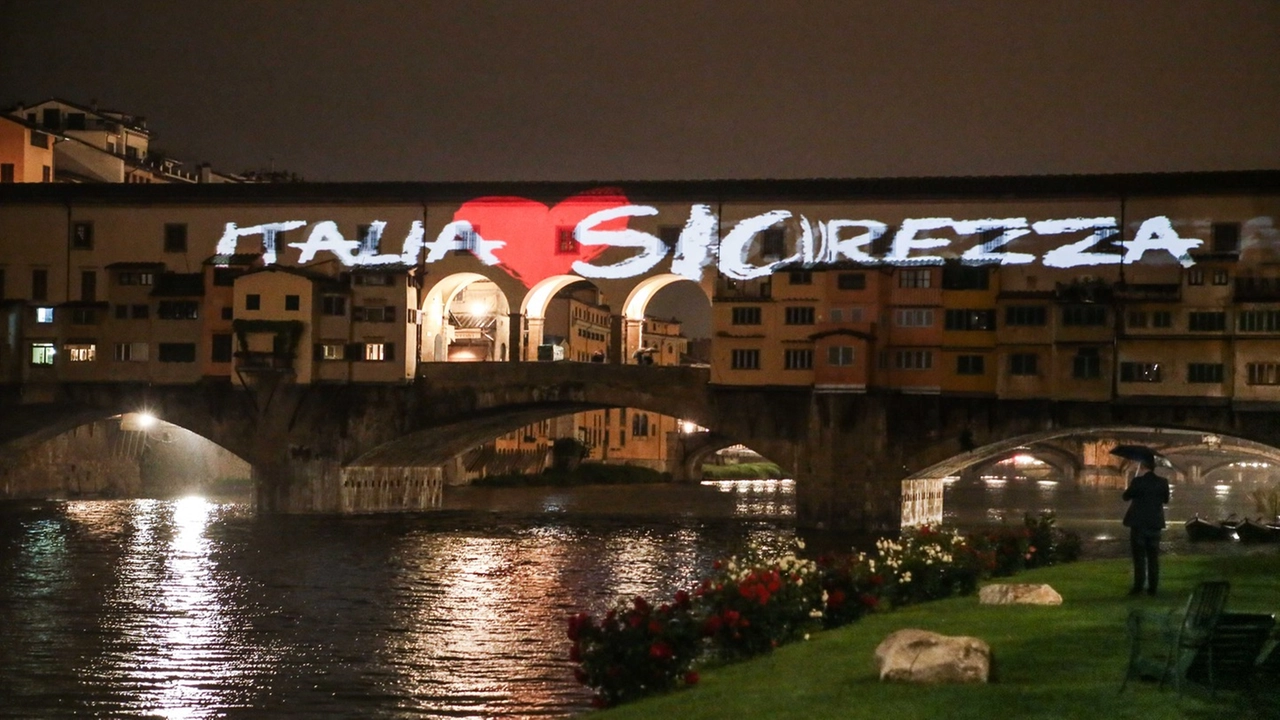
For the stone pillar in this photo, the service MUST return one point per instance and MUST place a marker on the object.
(626, 337)
(515, 338)
(849, 476)
(534, 326)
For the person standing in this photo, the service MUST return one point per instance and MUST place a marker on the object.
(1147, 494)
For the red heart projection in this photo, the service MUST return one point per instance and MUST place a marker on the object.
(532, 230)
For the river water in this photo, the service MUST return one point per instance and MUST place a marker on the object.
(195, 608)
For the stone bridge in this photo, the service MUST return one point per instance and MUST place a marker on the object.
(847, 452)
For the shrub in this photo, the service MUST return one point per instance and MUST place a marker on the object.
(636, 649)
(751, 607)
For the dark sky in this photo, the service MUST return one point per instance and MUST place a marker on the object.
(668, 89)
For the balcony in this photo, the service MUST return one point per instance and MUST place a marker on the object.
(1148, 292)
(1256, 289)
(270, 361)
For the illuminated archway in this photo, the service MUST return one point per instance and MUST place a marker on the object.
(633, 310)
(535, 305)
(465, 317)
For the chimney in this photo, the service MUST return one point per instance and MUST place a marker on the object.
(206, 173)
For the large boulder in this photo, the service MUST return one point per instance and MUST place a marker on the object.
(921, 656)
(1019, 594)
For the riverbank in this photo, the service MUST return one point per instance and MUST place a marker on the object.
(1050, 662)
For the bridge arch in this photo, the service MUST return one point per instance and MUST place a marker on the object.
(479, 331)
(1066, 463)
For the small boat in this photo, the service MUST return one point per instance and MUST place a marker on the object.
(1256, 531)
(1200, 530)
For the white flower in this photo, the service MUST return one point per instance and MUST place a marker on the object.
(906, 576)
(806, 636)
(800, 543)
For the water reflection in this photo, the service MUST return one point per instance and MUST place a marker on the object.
(759, 498)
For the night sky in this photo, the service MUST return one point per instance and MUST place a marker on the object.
(668, 89)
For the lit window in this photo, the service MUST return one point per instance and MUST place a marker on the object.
(132, 352)
(333, 351)
(81, 353)
(374, 351)
(42, 353)
(44, 315)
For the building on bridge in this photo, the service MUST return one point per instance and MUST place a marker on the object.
(1176, 296)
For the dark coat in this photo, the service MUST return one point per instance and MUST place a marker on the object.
(1147, 495)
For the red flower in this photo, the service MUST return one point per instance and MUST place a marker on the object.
(732, 617)
(682, 599)
(655, 627)
(691, 678)
(877, 580)
(576, 624)
(869, 600)
(660, 651)
(640, 604)
(712, 625)
(835, 598)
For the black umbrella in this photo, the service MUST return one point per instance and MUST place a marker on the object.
(1142, 454)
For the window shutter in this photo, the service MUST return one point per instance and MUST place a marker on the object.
(390, 315)
(389, 350)
(355, 351)
(317, 352)
(357, 313)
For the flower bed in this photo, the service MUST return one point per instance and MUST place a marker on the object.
(752, 605)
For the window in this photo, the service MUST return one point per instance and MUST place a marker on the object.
(88, 285)
(333, 351)
(566, 243)
(745, 360)
(177, 353)
(1266, 373)
(1087, 364)
(1195, 276)
(1162, 319)
(83, 316)
(640, 424)
(374, 314)
(1226, 237)
(746, 316)
(773, 243)
(132, 352)
(1026, 315)
(851, 281)
(82, 235)
(1024, 364)
(141, 312)
(178, 310)
(918, 278)
(1084, 315)
(40, 140)
(970, 320)
(220, 348)
(175, 237)
(333, 305)
(914, 317)
(1139, 372)
(81, 352)
(800, 277)
(799, 315)
(253, 301)
(226, 313)
(971, 364)
(1204, 372)
(913, 359)
(75, 121)
(122, 312)
(6, 173)
(840, 355)
(44, 315)
(1258, 320)
(46, 174)
(1206, 321)
(40, 284)
(380, 279)
(798, 359)
(42, 353)
(1136, 319)
(52, 118)
(379, 351)
(135, 278)
(836, 315)
(292, 302)
(1221, 277)
(965, 277)
(369, 238)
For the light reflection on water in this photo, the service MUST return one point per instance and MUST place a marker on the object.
(191, 609)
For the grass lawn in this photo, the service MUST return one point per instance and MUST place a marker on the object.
(1049, 662)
